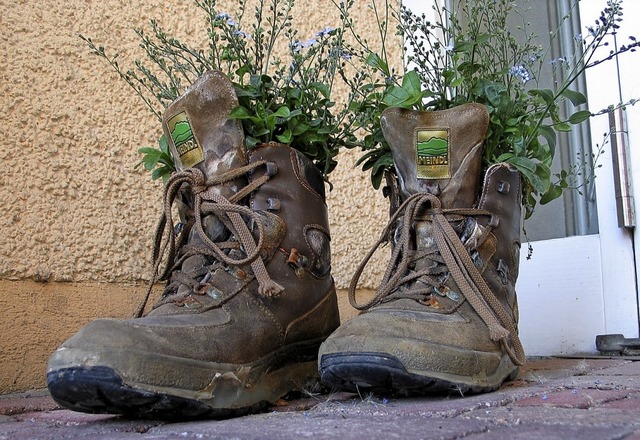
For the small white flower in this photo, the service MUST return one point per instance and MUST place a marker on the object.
(296, 46)
(310, 42)
(242, 34)
(326, 31)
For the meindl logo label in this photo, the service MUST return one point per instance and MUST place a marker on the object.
(432, 150)
(184, 141)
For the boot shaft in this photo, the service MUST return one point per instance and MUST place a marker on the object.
(296, 194)
(438, 152)
(201, 134)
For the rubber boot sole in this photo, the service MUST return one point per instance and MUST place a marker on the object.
(232, 390)
(383, 373)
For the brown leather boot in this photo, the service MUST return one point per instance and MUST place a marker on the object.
(249, 294)
(445, 315)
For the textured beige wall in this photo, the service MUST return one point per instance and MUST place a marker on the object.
(77, 219)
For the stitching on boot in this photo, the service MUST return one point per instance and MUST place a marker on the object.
(268, 313)
(296, 172)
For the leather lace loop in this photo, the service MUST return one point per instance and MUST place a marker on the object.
(206, 201)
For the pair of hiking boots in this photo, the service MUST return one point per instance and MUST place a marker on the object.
(249, 312)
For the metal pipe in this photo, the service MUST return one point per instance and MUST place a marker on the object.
(621, 168)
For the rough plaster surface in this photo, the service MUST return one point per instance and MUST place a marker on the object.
(76, 208)
(77, 219)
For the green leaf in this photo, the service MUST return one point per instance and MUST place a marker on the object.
(579, 117)
(299, 129)
(562, 126)
(463, 46)
(240, 113)
(285, 137)
(262, 131)
(549, 135)
(251, 141)
(167, 160)
(160, 172)
(544, 174)
(163, 144)
(149, 151)
(282, 112)
(406, 95)
(411, 82)
(374, 60)
(382, 163)
(528, 169)
(457, 82)
(546, 95)
(522, 163)
(553, 193)
(492, 91)
(322, 88)
(576, 98)
(395, 97)
(376, 178)
(296, 112)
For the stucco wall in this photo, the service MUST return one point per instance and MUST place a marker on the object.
(77, 219)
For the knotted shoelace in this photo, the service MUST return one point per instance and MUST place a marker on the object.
(207, 201)
(458, 263)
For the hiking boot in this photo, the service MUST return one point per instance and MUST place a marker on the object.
(249, 295)
(445, 315)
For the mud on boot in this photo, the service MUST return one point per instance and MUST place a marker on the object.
(249, 295)
(444, 317)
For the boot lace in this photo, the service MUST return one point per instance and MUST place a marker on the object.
(206, 201)
(451, 258)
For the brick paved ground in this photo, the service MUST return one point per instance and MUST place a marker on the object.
(551, 399)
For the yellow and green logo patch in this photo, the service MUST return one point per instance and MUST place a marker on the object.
(185, 142)
(432, 149)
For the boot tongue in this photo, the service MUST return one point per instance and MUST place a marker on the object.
(200, 133)
(439, 152)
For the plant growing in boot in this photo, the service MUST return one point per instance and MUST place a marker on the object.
(249, 295)
(465, 55)
(284, 81)
(457, 139)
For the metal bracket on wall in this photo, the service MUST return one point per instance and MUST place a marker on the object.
(621, 168)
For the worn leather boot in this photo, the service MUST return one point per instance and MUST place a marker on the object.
(249, 294)
(445, 315)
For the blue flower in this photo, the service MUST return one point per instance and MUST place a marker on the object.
(521, 72)
(231, 22)
(222, 16)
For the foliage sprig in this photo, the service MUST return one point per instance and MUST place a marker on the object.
(284, 83)
(466, 53)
